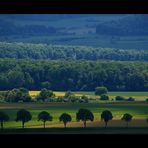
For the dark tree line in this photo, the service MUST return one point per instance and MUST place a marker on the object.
(54, 52)
(73, 75)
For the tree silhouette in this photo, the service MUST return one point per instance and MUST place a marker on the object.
(24, 116)
(3, 117)
(106, 116)
(127, 118)
(147, 120)
(65, 118)
(44, 116)
(84, 115)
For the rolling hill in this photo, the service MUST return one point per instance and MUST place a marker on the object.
(126, 31)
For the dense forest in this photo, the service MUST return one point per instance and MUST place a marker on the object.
(53, 52)
(43, 51)
(63, 75)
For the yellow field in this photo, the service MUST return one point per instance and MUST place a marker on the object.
(58, 94)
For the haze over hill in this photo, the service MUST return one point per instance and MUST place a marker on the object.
(125, 31)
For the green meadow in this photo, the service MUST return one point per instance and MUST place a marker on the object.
(139, 110)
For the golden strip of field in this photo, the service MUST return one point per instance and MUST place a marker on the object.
(61, 94)
(58, 94)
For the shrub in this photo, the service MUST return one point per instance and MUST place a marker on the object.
(119, 98)
(100, 91)
(104, 97)
(68, 94)
(85, 98)
(2, 99)
(45, 94)
(59, 99)
(130, 99)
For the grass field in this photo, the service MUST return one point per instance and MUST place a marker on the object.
(139, 110)
(139, 96)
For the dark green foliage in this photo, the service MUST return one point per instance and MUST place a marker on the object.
(85, 99)
(44, 116)
(146, 99)
(2, 98)
(104, 97)
(18, 95)
(46, 85)
(68, 94)
(86, 75)
(119, 98)
(84, 115)
(65, 118)
(24, 116)
(44, 94)
(54, 52)
(127, 118)
(100, 91)
(147, 120)
(130, 99)
(106, 116)
(3, 117)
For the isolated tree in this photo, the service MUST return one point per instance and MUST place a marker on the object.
(100, 91)
(65, 118)
(3, 117)
(84, 115)
(24, 116)
(106, 116)
(127, 118)
(44, 116)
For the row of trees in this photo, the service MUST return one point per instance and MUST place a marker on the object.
(73, 75)
(54, 52)
(45, 95)
(83, 115)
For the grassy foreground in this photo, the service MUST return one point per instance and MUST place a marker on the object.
(77, 131)
(139, 110)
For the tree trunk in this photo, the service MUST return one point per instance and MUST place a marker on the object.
(44, 124)
(23, 124)
(65, 124)
(84, 124)
(2, 125)
(105, 124)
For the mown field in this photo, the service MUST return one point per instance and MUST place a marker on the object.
(138, 109)
(139, 96)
